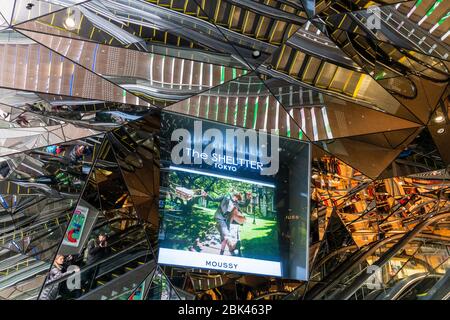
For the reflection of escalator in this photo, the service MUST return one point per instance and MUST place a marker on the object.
(22, 276)
(411, 287)
(349, 277)
(404, 32)
(17, 268)
(440, 290)
(383, 64)
(34, 225)
(308, 43)
(113, 278)
(123, 262)
(105, 279)
(24, 272)
(320, 74)
(263, 22)
(430, 70)
(20, 269)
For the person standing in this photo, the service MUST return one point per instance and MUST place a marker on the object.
(97, 250)
(57, 271)
(229, 204)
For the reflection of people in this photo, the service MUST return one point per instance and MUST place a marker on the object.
(97, 250)
(55, 150)
(227, 212)
(77, 153)
(4, 169)
(51, 291)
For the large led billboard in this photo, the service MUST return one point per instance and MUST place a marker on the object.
(233, 199)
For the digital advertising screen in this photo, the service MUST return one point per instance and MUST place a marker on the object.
(232, 199)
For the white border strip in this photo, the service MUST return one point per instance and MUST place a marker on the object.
(218, 262)
(270, 185)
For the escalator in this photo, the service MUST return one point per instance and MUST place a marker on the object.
(23, 271)
(400, 26)
(22, 275)
(352, 275)
(120, 280)
(410, 288)
(130, 258)
(246, 24)
(441, 289)
(30, 226)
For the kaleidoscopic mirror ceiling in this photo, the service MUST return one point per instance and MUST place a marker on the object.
(82, 85)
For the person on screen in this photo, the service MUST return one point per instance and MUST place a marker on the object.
(227, 211)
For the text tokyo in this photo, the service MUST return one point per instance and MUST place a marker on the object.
(248, 149)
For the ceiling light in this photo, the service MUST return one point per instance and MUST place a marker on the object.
(70, 23)
(440, 130)
(256, 54)
(439, 119)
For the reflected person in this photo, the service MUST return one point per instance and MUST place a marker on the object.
(52, 286)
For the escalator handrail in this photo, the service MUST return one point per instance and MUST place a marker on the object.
(12, 279)
(94, 265)
(440, 290)
(112, 282)
(333, 278)
(359, 281)
(111, 266)
(395, 291)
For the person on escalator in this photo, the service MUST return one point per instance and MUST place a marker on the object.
(97, 250)
(4, 169)
(77, 153)
(58, 271)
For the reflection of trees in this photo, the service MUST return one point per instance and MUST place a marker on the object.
(192, 182)
(184, 231)
(193, 218)
(262, 205)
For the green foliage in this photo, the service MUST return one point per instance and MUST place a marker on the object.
(259, 240)
(219, 187)
(194, 219)
(183, 230)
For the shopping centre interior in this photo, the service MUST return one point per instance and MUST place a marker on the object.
(84, 86)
